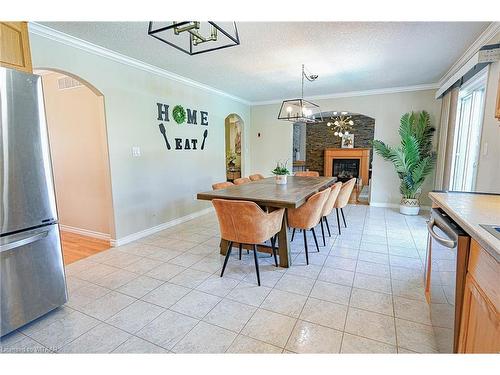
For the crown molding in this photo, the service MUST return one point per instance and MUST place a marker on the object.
(58, 36)
(349, 94)
(492, 29)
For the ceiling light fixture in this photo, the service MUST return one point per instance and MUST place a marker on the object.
(195, 37)
(300, 110)
(341, 125)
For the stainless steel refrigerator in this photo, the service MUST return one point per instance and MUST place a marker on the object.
(32, 271)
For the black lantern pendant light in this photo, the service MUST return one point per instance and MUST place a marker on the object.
(195, 37)
(301, 110)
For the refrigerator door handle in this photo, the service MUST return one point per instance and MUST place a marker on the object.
(23, 241)
(443, 241)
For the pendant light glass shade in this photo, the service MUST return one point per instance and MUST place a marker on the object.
(300, 110)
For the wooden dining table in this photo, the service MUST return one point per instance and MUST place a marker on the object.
(266, 193)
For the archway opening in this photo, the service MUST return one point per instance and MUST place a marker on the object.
(233, 146)
(76, 125)
(311, 141)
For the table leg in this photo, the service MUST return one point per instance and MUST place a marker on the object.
(284, 244)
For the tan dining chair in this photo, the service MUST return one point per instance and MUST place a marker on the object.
(242, 181)
(307, 216)
(343, 199)
(222, 185)
(328, 208)
(256, 177)
(244, 222)
(307, 174)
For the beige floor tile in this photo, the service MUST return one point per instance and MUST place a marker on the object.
(341, 263)
(374, 283)
(136, 345)
(166, 295)
(409, 289)
(415, 336)
(101, 339)
(371, 325)
(399, 261)
(269, 327)
(310, 271)
(196, 304)
(108, 305)
(295, 284)
(244, 344)
(409, 309)
(217, 285)
(167, 329)
(121, 260)
(285, 303)
(249, 294)
(336, 276)
(190, 278)
(325, 313)
(373, 269)
(230, 314)
(135, 316)
(205, 338)
(140, 286)
(372, 301)
(165, 272)
(308, 337)
(186, 259)
(360, 345)
(380, 248)
(344, 252)
(367, 256)
(143, 265)
(331, 292)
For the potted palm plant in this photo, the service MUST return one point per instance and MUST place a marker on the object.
(413, 159)
(280, 173)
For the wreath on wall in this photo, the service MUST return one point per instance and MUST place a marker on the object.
(179, 114)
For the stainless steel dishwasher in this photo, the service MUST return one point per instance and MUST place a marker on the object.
(446, 266)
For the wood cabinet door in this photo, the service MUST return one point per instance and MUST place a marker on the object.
(14, 46)
(480, 328)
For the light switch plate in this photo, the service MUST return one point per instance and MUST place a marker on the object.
(136, 151)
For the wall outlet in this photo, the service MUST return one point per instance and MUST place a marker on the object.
(136, 151)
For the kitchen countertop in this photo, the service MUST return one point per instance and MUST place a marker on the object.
(469, 210)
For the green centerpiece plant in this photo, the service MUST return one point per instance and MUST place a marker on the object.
(281, 172)
(413, 159)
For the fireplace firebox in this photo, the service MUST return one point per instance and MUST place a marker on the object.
(345, 169)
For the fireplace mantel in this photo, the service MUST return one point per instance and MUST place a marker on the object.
(363, 154)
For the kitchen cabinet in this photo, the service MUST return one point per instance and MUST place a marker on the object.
(480, 325)
(14, 46)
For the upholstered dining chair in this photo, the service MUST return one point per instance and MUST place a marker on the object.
(242, 181)
(307, 216)
(256, 177)
(343, 199)
(307, 174)
(222, 185)
(328, 208)
(244, 222)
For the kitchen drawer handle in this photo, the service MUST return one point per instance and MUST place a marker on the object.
(24, 241)
(443, 241)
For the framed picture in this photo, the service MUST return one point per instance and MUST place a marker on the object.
(348, 141)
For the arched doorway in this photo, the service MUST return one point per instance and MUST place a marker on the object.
(233, 146)
(76, 125)
(311, 140)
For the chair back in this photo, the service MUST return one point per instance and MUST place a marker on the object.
(330, 202)
(256, 177)
(242, 181)
(307, 174)
(308, 215)
(245, 222)
(345, 193)
(222, 185)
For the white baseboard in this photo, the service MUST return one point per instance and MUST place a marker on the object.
(395, 205)
(158, 228)
(85, 232)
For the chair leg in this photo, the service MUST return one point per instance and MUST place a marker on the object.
(256, 263)
(273, 244)
(305, 245)
(338, 219)
(343, 217)
(327, 226)
(323, 231)
(241, 246)
(228, 254)
(293, 235)
(315, 239)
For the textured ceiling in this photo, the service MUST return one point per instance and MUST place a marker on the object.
(266, 66)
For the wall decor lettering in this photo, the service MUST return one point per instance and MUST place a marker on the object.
(180, 115)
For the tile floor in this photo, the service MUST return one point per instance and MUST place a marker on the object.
(362, 293)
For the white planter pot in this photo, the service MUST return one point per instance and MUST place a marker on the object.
(409, 206)
(280, 179)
